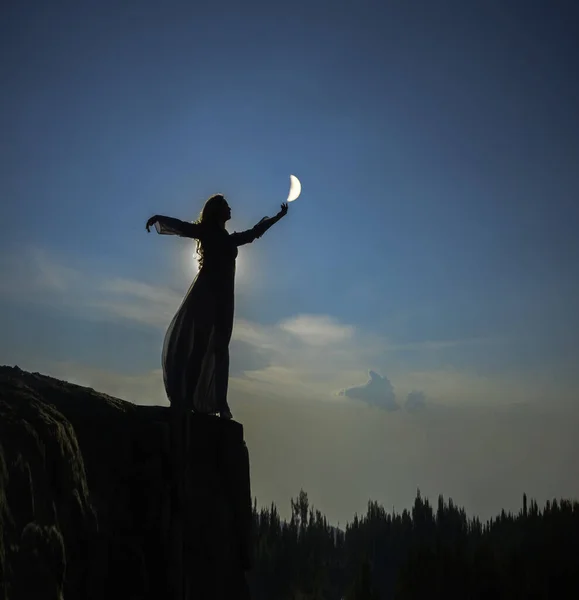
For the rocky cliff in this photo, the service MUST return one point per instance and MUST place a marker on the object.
(87, 502)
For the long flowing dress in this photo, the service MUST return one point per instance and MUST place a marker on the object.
(195, 355)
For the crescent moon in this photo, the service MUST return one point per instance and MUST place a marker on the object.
(295, 188)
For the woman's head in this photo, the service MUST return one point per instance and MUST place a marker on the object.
(216, 211)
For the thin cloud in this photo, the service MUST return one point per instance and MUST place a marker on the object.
(32, 275)
(35, 277)
(137, 301)
(317, 330)
(434, 345)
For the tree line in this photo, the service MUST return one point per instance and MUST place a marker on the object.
(426, 552)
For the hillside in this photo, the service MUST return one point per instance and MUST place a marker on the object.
(86, 498)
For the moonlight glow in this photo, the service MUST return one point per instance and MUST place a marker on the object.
(190, 263)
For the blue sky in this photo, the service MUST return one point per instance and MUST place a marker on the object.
(434, 241)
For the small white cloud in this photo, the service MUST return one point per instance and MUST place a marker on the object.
(377, 391)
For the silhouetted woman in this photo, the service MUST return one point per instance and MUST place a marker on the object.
(196, 346)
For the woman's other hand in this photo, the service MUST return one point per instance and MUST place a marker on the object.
(151, 222)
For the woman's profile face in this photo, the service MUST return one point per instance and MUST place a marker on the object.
(226, 210)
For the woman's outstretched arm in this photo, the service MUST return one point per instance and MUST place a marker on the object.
(246, 237)
(171, 226)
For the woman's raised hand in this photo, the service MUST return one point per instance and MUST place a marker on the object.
(283, 211)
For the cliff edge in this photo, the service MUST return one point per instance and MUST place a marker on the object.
(86, 497)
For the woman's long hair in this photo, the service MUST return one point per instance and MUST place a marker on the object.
(209, 218)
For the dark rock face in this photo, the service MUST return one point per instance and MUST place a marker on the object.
(87, 499)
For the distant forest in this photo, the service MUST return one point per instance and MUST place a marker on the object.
(427, 553)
